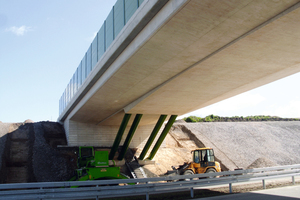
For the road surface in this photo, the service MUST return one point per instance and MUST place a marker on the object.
(284, 193)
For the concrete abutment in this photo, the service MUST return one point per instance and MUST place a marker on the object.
(80, 134)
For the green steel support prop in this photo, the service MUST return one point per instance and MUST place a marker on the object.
(133, 127)
(158, 125)
(119, 136)
(162, 136)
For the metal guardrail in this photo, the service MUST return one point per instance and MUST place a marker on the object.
(118, 188)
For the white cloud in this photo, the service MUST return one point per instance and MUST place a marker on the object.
(289, 110)
(19, 31)
(241, 101)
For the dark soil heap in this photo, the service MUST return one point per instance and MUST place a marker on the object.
(28, 153)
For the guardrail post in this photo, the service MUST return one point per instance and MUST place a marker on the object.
(147, 196)
(41, 189)
(293, 179)
(230, 187)
(192, 192)
(264, 183)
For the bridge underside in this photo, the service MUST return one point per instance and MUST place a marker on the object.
(190, 55)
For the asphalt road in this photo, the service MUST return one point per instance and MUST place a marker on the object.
(284, 193)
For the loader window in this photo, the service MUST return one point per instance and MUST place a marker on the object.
(86, 152)
(204, 156)
(196, 156)
(210, 155)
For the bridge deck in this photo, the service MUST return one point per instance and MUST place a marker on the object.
(190, 55)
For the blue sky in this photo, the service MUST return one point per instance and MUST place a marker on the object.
(42, 43)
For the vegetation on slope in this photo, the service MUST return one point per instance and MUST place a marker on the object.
(215, 118)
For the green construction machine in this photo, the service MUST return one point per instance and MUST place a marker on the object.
(94, 165)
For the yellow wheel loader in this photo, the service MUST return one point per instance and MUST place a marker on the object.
(203, 162)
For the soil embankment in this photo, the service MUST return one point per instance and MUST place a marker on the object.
(236, 144)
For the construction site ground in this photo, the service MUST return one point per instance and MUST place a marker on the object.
(31, 148)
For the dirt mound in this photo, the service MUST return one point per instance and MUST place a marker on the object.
(240, 144)
(236, 144)
(50, 163)
(28, 153)
(261, 162)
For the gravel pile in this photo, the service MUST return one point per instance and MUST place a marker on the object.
(243, 144)
(50, 163)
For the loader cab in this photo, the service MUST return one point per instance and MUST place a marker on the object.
(204, 156)
(85, 155)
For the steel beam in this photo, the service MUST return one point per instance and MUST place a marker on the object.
(130, 135)
(162, 136)
(157, 127)
(119, 136)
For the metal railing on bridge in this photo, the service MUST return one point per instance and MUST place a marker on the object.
(119, 188)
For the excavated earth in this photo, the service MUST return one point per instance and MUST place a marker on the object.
(29, 152)
(236, 144)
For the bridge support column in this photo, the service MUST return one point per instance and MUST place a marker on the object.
(158, 125)
(162, 136)
(119, 136)
(130, 135)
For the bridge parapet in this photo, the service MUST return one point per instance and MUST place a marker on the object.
(119, 15)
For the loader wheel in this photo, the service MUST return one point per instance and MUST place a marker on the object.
(188, 172)
(211, 170)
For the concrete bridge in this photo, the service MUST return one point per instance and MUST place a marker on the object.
(157, 58)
